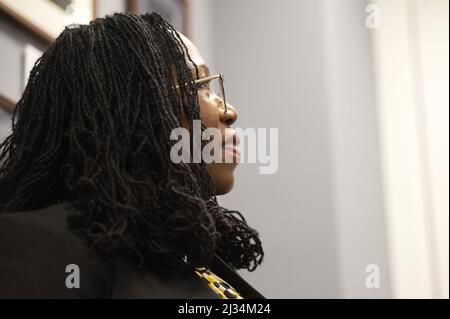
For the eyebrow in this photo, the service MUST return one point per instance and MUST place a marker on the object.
(205, 69)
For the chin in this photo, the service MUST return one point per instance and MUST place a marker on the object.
(223, 176)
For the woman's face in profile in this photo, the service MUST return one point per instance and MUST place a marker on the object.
(213, 117)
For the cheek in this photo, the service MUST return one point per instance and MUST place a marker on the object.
(209, 112)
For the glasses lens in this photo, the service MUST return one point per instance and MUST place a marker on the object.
(216, 87)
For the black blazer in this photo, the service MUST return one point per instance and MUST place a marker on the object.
(37, 246)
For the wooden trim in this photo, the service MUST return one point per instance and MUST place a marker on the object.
(6, 103)
(25, 24)
(133, 7)
(94, 9)
(186, 17)
(28, 26)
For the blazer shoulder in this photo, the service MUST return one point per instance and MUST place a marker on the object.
(40, 257)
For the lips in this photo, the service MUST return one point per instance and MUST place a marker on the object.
(232, 140)
(231, 144)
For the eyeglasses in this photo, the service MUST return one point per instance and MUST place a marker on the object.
(207, 80)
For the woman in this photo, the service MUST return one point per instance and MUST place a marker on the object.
(88, 188)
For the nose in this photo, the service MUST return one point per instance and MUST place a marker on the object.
(230, 116)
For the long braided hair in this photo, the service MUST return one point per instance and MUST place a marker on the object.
(92, 129)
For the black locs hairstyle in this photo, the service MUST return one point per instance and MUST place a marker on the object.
(92, 129)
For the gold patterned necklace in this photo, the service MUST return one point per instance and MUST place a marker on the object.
(217, 284)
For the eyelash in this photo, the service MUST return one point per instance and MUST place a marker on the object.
(203, 86)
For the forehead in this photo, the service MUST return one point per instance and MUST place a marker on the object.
(194, 53)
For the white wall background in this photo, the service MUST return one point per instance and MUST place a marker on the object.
(305, 68)
(411, 63)
(363, 153)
